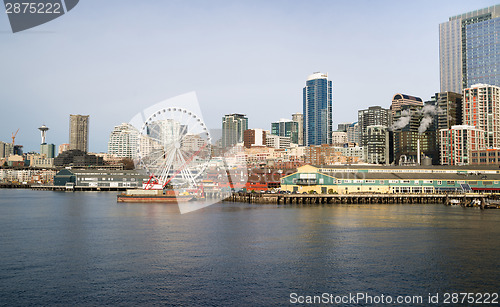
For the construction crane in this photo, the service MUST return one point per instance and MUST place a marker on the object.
(14, 136)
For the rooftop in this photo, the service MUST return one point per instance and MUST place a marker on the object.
(317, 75)
(400, 96)
(386, 168)
(494, 10)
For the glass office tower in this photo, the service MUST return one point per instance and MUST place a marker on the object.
(469, 50)
(317, 97)
(233, 128)
(288, 128)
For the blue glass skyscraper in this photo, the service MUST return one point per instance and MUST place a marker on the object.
(317, 97)
(469, 49)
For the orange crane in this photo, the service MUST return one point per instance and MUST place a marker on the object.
(14, 136)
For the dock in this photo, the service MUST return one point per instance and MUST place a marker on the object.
(283, 199)
(14, 186)
(77, 188)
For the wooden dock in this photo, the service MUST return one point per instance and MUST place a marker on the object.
(283, 199)
(78, 188)
(14, 186)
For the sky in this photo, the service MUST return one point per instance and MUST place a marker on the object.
(110, 59)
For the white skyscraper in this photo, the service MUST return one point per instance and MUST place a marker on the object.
(123, 141)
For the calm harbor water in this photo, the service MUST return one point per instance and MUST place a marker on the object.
(82, 248)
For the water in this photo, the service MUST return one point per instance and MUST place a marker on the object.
(64, 249)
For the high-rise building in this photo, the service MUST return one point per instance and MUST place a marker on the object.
(254, 137)
(6, 149)
(373, 116)
(444, 110)
(400, 100)
(469, 49)
(449, 109)
(79, 132)
(299, 119)
(18, 150)
(317, 97)
(49, 150)
(354, 134)
(377, 148)
(288, 128)
(481, 109)
(123, 141)
(458, 142)
(233, 127)
(343, 126)
(407, 134)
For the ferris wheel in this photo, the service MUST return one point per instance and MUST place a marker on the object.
(174, 147)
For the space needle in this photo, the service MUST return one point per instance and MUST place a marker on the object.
(43, 129)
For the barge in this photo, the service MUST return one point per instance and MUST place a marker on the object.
(154, 196)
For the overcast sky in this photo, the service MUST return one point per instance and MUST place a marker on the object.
(112, 58)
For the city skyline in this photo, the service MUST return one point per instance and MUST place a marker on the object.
(129, 70)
